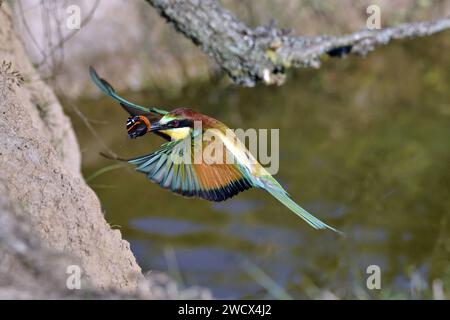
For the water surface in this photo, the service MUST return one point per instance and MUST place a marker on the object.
(364, 145)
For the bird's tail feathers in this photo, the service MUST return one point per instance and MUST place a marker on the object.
(281, 195)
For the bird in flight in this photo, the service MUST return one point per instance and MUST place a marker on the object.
(173, 166)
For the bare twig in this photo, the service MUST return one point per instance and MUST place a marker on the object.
(265, 53)
(47, 8)
(70, 35)
(28, 29)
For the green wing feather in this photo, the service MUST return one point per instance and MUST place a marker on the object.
(188, 179)
(104, 86)
(209, 182)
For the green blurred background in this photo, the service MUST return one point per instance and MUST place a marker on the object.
(364, 145)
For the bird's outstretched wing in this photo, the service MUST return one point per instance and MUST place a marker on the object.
(213, 182)
(132, 108)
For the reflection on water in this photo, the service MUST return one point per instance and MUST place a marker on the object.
(164, 226)
(364, 145)
(236, 206)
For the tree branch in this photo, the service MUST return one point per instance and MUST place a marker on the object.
(265, 53)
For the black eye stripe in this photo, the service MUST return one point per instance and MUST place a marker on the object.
(180, 123)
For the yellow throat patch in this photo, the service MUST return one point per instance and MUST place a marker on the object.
(177, 133)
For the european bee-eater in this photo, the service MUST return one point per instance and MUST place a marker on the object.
(213, 182)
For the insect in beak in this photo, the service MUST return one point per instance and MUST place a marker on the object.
(137, 126)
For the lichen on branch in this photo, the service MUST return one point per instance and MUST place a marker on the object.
(266, 52)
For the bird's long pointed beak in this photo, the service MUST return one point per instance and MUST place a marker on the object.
(155, 126)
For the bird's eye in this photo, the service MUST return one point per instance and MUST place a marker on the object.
(175, 123)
